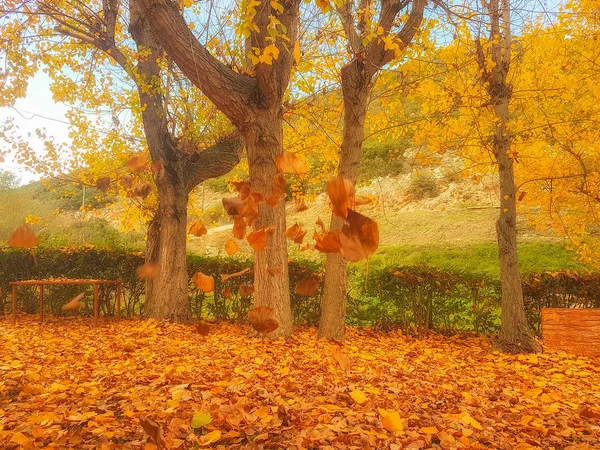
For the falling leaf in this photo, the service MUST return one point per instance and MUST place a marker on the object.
(200, 419)
(327, 242)
(103, 184)
(258, 239)
(278, 190)
(297, 53)
(359, 201)
(233, 205)
(262, 319)
(197, 228)
(250, 209)
(295, 233)
(340, 191)
(243, 188)
(274, 271)
(73, 304)
(137, 162)
(227, 276)
(341, 358)
(227, 293)
(239, 227)
(392, 422)
(142, 190)
(127, 180)
(290, 163)
(231, 247)
(202, 328)
(246, 290)
(148, 271)
(23, 237)
(300, 205)
(307, 287)
(204, 283)
(358, 396)
(360, 238)
(158, 169)
(153, 430)
(210, 438)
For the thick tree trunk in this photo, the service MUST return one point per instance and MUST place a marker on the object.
(264, 142)
(167, 294)
(355, 88)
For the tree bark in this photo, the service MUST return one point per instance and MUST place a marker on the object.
(355, 90)
(516, 337)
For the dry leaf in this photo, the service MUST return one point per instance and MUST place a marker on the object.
(392, 422)
(243, 188)
(23, 237)
(258, 239)
(300, 205)
(360, 238)
(274, 271)
(137, 162)
(197, 228)
(142, 190)
(250, 209)
(148, 271)
(246, 290)
(202, 328)
(158, 169)
(239, 227)
(341, 358)
(307, 287)
(341, 192)
(103, 184)
(73, 304)
(227, 293)
(278, 190)
(290, 163)
(262, 319)
(360, 200)
(358, 396)
(204, 283)
(210, 438)
(295, 233)
(127, 180)
(227, 276)
(231, 247)
(153, 430)
(233, 205)
(327, 242)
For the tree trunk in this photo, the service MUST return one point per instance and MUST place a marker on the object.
(167, 294)
(355, 88)
(264, 142)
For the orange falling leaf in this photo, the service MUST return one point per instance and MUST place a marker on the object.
(290, 163)
(73, 304)
(231, 247)
(227, 293)
(274, 271)
(137, 162)
(246, 290)
(327, 242)
(360, 200)
(295, 233)
(158, 169)
(341, 192)
(360, 238)
(127, 180)
(103, 184)
(197, 228)
(278, 190)
(300, 205)
(204, 283)
(258, 239)
(148, 271)
(239, 227)
(262, 319)
(307, 287)
(243, 188)
(23, 237)
(250, 209)
(142, 190)
(233, 205)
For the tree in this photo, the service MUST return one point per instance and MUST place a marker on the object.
(253, 102)
(100, 29)
(372, 44)
(8, 180)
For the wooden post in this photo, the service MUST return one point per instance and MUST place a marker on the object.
(95, 303)
(119, 283)
(41, 303)
(14, 302)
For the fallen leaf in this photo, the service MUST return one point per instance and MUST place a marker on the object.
(341, 358)
(23, 237)
(20, 438)
(148, 271)
(290, 163)
(202, 328)
(307, 287)
(210, 438)
(153, 430)
(360, 238)
(392, 422)
(231, 247)
(197, 228)
(73, 304)
(262, 319)
(200, 419)
(137, 162)
(358, 396)
(204, 283)
(340, 191)
(429, 430)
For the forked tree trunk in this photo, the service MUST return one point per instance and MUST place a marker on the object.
(167, 294)
(263, 144)
(516, 337)
(333, 306)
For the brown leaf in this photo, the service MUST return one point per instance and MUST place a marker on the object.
(153, 430)
(341, 358)
(300, 205)
(142, 190)
(103, 184)
(250, 209)
(243, 188)
(137, 162)
(327, 242)
(360, 200)
(290, 163)
(197, 228)
(295, 233)
(231, 247)
(227, 293)
(360, 238)
(204, 283)
(278, 190)
(158, 169)
(341, 192)
(258, 239)
(202, 328)
(23, 237)
(320, 224)
(246, 290)
(274, 271)
(307, 287)
(239, 227)
(127, 180)
(233, 205)
(262, 319)
(148, 271)
(73, 304)
(225, 276)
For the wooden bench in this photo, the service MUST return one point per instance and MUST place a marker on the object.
(65, 281)
(574, 330)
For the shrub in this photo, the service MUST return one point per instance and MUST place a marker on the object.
(422, 185)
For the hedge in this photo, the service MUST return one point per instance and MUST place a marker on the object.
(411, 298)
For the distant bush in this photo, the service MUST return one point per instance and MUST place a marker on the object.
(381, 159)
(422, 185)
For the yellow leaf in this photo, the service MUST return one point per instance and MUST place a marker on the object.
(429, 430)
(393, 422)
(231, 247)
(297, 53)
(210, 438)
(466, 418)
(19, 438)
(358, 396)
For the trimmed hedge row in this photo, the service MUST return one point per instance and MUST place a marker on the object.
(412, 298)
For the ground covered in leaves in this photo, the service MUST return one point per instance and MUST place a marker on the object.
(135, 384)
